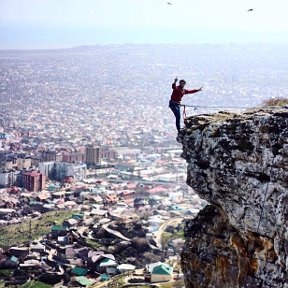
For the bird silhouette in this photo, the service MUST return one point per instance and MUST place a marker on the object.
(169, 3)
(250, 10)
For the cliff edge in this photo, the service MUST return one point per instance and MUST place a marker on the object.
(239, 164)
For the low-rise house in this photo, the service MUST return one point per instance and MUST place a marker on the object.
(93, 257)
(158, 272)
(20, 252)
(48, 207)
(140, 202)
(127, 194)
(31, 263)
(122, 268)
(154, 201)
(58, 230)
(79, 271)
(83, 281)
(98, 199)
(124, 216)
(70, 253)
(38, 247)
(121, 204)
(157, 190)
(11, 203)
(36, 205)
(99, 213)
(102, 263)
(78, 216)
(65, 240)
(104, 277)
(107, 265)
(43, 196)
(110, 199)
(130, 186)
(82, 253)
(89, 222)
(71, 222)
(10, 262)
(70, 204)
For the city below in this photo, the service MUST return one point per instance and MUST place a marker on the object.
(92, 184)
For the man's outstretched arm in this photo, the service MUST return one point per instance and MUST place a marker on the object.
(193, 90)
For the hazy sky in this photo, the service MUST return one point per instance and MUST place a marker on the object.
(65, 23)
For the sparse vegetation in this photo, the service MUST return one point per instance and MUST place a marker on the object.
(279, 101)
(93, 244)
(115, 281)
(175, 284)
(6, 272)
(179, 233)
(140, 244)
(166, 236)
(140, 286)
(34, 284)
(22, 232)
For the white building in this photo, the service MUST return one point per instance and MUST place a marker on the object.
(9, 177)
(76, 170)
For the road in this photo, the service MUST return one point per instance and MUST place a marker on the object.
(158, 234)
(115, 233)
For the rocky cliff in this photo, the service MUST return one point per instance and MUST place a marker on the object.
(239, 164)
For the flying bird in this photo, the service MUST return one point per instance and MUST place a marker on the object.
(169, 3)
(250, 10)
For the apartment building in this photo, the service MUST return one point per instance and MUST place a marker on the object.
(34, 181)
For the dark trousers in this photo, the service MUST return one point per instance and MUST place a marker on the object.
(175, 107)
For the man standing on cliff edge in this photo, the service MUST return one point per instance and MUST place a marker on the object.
(175, 100)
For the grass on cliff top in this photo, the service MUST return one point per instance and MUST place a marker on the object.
(279, 101)
(21, 232)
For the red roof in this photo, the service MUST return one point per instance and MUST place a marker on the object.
(157, 189)
(131, 185)
(33, 173)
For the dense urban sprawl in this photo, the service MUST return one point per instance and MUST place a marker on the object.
(91, 175)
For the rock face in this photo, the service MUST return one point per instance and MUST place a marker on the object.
(239, 164)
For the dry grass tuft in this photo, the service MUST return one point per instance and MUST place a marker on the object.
(275, 102)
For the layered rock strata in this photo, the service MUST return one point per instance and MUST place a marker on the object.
(239, 164)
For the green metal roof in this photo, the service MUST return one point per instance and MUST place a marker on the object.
(160, 268)
(14, 259)
(83, 280)
(77, 215)
(104, 276)
(51, 187)
(163, 270)
(57, 228)
(104, 260)
(80, 271)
